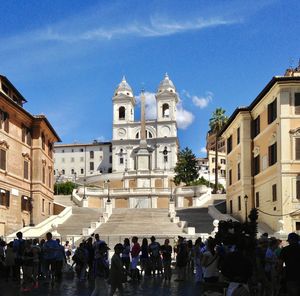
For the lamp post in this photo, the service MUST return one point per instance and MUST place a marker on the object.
(171, 195)
(246, 208)
(108, 197)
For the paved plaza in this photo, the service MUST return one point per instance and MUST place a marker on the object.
(72, 287)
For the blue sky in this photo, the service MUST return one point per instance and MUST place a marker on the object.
(67, 57)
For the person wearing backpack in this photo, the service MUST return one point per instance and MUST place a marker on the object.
(155, 259)
(18, 248)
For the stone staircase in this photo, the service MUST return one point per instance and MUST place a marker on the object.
(81, 221)
(197, 218)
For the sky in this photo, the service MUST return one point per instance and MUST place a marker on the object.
(67, 57)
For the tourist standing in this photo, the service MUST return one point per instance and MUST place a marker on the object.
(18, 247)
(126, 254)
(198, 257)
(290, 255)
(117, 272)
(145, 264)
(154, 256)
(101, 270)
(181, 258)
(135, 256)
(50, 249)
(210, 261)
(27, 262)
(166, 251)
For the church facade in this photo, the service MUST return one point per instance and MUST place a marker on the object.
(160, 133)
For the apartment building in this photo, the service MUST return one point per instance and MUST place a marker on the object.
(26, 162)
(263, 155)
(78, 160)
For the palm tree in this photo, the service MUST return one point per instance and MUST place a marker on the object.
(216, 122)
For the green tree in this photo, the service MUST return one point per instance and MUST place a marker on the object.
(186, 168)
(216, 123)
(65, 188)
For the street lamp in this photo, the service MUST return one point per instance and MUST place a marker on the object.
(171, 195)
(108, 197)
(246, 208)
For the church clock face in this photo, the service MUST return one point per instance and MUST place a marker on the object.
(121, 132)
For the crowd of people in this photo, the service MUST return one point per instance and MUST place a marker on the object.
(243, 266)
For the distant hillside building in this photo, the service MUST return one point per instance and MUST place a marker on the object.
(26, 162)
(211, 142)
(79, 160)
(263, 155)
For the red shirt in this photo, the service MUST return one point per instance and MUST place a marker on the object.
(135, 251)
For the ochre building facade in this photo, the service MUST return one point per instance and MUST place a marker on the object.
(26, 162)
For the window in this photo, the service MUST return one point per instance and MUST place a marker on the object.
(274, 192)
(5, 89)
(213, 160)
(25, 203)
(257, 199)
(26, 170)
(121, 160)
(239, 171)
(213, 171)
(50, 178)
(4, 198)
(230, 206)
(2, 159)
(229, 144)
(81, 171)
(110, 159)
(72, 171)
(272, 111)
(92, 154)
(43, 141)
(72, 150)
(50, 148)
(165, 110)
(122, 112)
(256, 126)
(223, 161)
(297, 103)
(297, 148)
(256, 162)
(63, 151)
(137, 135)
(239, 203)
(29, 137)
(110, 148)
(298, 189)
(272, 154)
(91, 166)
(230, 177)
(43, 205)
(238, 136)
(44, 174)
(4, 121)
(81, 149)
(63, 171)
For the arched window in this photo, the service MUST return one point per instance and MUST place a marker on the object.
(122, 112)
(137, 135)
(165, 110)
(148, 135)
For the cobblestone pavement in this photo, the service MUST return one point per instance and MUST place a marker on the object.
(72, 287)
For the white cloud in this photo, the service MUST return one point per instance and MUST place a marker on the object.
(184, 117)
(203, 150)
(199, 101)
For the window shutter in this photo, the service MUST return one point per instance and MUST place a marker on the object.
(297, 103)
(298, 189)
(7, 198)
(2, 159)
(297, 148)
(6, 122)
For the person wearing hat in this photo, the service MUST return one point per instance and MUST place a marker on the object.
(117, 273)
(290, 255)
